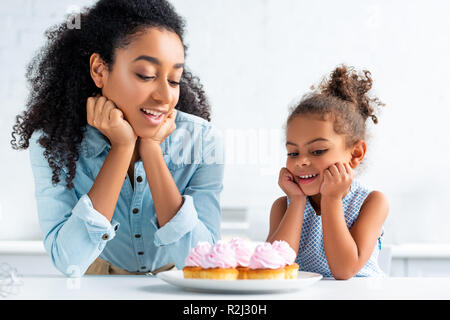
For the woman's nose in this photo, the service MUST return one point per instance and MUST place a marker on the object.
(162, 93)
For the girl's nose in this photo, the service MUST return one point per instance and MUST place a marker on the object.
(303, 161)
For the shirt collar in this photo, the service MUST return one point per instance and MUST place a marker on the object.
(94, 142)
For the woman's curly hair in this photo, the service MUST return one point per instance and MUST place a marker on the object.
(60, 80)
(344, 96)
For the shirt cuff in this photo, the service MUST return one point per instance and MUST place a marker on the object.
(182, 223)
(100, 230)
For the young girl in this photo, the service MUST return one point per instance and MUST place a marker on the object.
(332, 221)
(124, 182)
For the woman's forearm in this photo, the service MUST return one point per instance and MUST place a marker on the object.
(340, 248)
(290, 227)
(105, 191)
(166, 196)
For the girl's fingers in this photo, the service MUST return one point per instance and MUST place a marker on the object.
(348, 169)
(327, 174)
(333, 171)
(342, 170)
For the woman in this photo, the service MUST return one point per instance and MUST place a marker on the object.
(128, 170)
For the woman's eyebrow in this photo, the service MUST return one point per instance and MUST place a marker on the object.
(156, 61)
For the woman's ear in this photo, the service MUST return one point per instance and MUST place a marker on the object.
(98, 70)
(358, 152)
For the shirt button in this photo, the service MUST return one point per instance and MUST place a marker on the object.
(105, 236)
(144, 267)
(140, 253)
(139, 179)
(135, 210)
(137, 236)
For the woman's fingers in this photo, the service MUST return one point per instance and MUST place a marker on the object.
(98, 111)
(106, 112)
(90, 105)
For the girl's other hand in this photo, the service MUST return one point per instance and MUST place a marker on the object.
(106, 117)
(287, 183)
(337, 181)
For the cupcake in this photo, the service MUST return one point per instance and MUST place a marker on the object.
(192, 268)
(286, 252)
(243, 253)
(219, 263)
(266, 263)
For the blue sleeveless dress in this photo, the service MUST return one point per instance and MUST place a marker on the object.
(311, 254)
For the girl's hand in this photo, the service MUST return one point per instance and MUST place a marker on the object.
(336, 181)
(106, 117)
(287, 183)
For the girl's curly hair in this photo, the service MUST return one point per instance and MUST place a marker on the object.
(344, 96)
(60, 80)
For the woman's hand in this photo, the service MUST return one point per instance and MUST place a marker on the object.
(287, 183)
(336, 181)
(167, 127)
(106, 117)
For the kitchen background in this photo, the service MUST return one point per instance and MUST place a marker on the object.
(255, 59)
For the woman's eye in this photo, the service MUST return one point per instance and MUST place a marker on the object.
(319, 152)
(145, 77)
(292, 154)
(174, 83)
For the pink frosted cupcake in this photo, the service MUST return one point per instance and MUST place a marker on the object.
(243, 253)
(286, 252)
(192, 268)
(266, 263)
(219, 263)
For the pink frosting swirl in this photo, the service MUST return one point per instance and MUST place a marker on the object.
(242, 251)
(221, 255)
(285, 251)
(195, 255)
(266, 257)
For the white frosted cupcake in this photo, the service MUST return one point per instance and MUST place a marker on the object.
(288, 254)
(192, 268)
(219, 263)
(243, 253)
(266, 263)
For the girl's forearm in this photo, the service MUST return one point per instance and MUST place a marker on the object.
(290, 227)
(340, 248)
(166, 196)
(105, 191)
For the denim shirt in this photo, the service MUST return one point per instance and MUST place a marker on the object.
(75, 234)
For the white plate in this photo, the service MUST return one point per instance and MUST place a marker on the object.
(176, 278)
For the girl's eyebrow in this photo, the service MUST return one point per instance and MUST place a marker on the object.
(156, 61)
(312, 141)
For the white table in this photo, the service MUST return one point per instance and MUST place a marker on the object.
(151, 288)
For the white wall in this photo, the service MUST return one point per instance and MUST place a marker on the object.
(255, 57)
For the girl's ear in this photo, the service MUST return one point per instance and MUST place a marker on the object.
(358, 152)
(98, 70)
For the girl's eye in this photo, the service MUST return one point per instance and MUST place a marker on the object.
(319, 152)
(292, 154)
(144, 77)
(174, 83)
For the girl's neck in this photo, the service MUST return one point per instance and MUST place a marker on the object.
(316, 199)
(315, 202)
